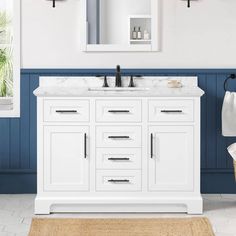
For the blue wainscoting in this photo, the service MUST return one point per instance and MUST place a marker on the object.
(18, 136)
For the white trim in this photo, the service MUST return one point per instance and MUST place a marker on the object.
(83, 25)
(191, 205)
(155, 25)
(154, 46)
(117, 48)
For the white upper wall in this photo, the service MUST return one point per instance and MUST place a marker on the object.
(203, 36)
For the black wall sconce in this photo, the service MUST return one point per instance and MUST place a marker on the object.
(53, 3)
(189, 2)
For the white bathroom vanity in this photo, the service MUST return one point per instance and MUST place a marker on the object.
(120, 150)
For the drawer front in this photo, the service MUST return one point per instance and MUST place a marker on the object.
(117, 158)
(119, 111)
(118, 136)
(118, 180)
(170, 110)
(66, 110)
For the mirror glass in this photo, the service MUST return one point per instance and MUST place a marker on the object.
(120, 22)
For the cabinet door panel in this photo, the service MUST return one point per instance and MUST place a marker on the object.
(65, 163)
(171, 165)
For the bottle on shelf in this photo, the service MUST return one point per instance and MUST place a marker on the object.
(134, 33)
(139, 34)
(146, 35)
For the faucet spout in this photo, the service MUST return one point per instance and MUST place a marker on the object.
(118, 76)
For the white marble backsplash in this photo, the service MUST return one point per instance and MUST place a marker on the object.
(145, 81)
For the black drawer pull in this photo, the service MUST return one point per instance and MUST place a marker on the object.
(171, 111)
(118, 159)
(85, 145)
(151, 145)
(118, 137)
(118, 181)
(66, 111)
(119, 111)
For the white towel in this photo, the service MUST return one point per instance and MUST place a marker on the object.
(232, 150)
(229, 115)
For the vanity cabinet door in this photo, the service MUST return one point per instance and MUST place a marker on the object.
(66, 158)
(171, 158)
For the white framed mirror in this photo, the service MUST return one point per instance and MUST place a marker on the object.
(120, 25)
(9, 58)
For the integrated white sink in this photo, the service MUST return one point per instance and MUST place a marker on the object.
(118, 89)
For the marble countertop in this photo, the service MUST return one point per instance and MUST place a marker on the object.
(52, 91)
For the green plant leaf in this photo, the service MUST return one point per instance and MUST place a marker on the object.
(6, 72)
(6, 66)
(4, 20)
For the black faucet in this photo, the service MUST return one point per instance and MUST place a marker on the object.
(118, 76)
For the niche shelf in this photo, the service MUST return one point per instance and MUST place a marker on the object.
(144, 22)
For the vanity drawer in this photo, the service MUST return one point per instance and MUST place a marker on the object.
(117, 158)
(66, 110)
(118, 180)
(171, 110)
(118, 111)
(118, 136)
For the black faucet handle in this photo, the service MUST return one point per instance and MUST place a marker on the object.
(118, 77)
(105, 84)
(131, 83)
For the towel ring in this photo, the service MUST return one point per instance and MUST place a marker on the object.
(232, 76)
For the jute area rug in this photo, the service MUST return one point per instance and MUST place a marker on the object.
(198, 226)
